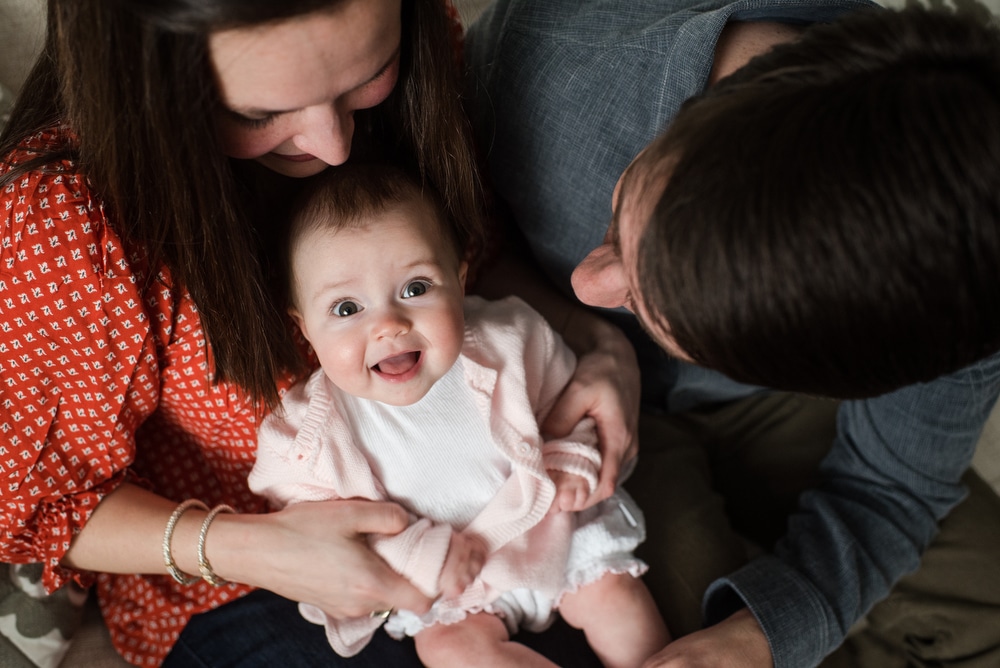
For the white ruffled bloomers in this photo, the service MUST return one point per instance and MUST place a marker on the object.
(603, 542)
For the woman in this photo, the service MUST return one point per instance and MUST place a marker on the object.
(144, 169)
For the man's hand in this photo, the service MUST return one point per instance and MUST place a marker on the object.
(737, 642)
(605, 387)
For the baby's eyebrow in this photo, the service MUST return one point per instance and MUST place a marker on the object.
(323, 292)
(424, 262)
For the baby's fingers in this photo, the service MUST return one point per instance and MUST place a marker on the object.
(466, 556)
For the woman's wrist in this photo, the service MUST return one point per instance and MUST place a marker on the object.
(234, 547)
(217, 545)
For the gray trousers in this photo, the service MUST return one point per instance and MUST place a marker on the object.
(709, 480)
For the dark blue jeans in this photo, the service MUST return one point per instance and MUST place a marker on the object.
(265, 630)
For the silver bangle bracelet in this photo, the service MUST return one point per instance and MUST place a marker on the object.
(168, 534)
(207, 574)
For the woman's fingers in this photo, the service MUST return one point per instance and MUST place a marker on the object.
(322, 557)
(374, 516)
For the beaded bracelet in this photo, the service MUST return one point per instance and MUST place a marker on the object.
(204, 566)
(168, 534)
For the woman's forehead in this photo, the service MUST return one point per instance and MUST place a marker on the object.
(290, 64)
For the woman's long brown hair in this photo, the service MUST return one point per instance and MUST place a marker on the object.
(134, 82)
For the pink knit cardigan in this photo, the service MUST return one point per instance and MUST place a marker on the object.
(517, 366)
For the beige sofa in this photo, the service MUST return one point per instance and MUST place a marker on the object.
(21, 33)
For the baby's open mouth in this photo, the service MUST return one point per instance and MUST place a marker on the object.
(398, 364)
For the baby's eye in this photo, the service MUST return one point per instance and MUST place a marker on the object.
(415, 289)
(345, 308)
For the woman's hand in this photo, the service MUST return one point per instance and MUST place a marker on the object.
(605, 387)
(317, 553)
(736, 642)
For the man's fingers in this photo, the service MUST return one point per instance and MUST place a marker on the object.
(565, 414)
(612, 439)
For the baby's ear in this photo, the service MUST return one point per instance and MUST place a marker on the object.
(463, 273)
(297, 318)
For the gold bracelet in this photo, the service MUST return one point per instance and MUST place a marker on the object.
(168, 534)
(207, 574)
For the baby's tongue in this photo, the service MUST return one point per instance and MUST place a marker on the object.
(398, 364)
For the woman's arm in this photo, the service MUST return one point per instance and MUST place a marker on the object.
(315, 553)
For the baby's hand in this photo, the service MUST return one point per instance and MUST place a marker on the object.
(572, 492)
(466, 556)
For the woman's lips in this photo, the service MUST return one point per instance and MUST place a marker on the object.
(301, 157)
(399, 368)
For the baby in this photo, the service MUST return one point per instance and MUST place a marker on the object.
(433, 399)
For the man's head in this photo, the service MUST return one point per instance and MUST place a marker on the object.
(827, 219)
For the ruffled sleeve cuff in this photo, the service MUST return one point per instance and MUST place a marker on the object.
(58, 525)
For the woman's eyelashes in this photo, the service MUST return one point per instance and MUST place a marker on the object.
(260, 122)
(251, 122)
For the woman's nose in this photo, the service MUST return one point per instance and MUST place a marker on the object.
(599, 280)
(327, 134)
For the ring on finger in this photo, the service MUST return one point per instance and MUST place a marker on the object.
(381, 614)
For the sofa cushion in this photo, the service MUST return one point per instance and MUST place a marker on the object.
(35, 627)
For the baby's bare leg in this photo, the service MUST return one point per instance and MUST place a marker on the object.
(619, 618)
(477, 640)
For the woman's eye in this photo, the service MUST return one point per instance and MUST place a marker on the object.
(251, 123)
(415, 289)
(345, 308)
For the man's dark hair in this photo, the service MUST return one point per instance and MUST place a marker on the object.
(831, 223)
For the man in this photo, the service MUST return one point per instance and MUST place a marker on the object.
(824, 222)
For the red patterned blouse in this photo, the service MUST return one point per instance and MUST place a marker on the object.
(102, 382)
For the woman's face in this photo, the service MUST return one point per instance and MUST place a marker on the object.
(290, 89)
(608, 276)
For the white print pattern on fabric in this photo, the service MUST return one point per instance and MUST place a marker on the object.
(104, 381)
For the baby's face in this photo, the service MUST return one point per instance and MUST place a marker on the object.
(381, 304)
